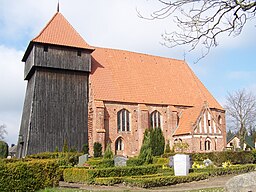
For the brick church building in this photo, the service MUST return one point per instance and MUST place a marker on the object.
(90, 94)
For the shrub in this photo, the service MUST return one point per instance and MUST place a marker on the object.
(160, 160)
(97, 149)
(145, 155)
(134, 161)
(62, 158)
(65, 146)
(3, 149)
(108, 153)
(157, 141)
(167, 148)
(235, 157)
(101, 163)
(83, 175)
(85, 149)
(237, 169)
(164, 180)
(29, 176)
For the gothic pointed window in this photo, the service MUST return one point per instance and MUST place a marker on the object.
(156, 119)
(119, 144)
(123, 121)
(207, 144)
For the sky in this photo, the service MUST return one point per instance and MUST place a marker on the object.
(114, 24)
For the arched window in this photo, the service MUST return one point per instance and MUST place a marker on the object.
(216, 140)
(119, 144)
(155, 119)
(219, 120)
(207, 144)
(123, 120)
(201, 141)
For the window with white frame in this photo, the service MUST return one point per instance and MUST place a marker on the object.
(123, 121)
(219, 120)
(119, 144)
(155, 119)
(207, 144)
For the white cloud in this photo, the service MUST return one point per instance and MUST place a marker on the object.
(12, 90)
(113, 24)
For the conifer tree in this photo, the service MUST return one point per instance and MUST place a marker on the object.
(108, 153)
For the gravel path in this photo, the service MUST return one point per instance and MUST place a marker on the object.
(208, 183)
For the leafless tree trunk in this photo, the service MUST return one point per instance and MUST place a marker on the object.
(241, 111)
(202, 21)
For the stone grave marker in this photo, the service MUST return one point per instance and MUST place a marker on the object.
(120, 161)
(171, 161)
(181, 164)
(82, 159)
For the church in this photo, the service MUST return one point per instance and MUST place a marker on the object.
(81, 94)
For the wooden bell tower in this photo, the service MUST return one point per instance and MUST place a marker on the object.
(57, 67)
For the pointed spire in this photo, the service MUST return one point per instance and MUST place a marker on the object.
(58, 6)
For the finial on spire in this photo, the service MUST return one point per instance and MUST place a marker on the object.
(58, 6)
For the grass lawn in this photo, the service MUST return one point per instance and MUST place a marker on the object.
(80, 190)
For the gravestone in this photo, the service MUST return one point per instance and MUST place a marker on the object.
(181, 164)
(242, 183)
(120, 161)
(171, 161)
(82, 159)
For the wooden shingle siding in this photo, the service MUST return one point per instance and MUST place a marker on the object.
(56, 103)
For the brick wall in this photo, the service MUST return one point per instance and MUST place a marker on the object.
(103, 127)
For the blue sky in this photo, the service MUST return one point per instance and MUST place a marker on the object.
(114, 24)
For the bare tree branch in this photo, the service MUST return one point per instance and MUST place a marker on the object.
(241, 110)
(202, 21)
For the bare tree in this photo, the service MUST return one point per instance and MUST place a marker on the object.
(202, 21)
(241, 111)
(3, 131)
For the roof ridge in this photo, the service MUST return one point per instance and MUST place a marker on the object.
(202, 93)
(59, 31)
(138, 53)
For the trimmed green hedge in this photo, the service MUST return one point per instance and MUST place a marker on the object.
(101, 163)
(135, 161)
(151, 181)
(82, 175)
(64, 159)
(236, 169)
(236, 157)
(29, 176)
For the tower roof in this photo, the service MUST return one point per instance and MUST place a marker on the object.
(59, 31)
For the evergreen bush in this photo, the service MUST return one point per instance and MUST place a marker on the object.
(97, 149)
(101, 163)
(108, 153)
(85, 149)
(167, 148)
(83, 175)
(4, 149)
(154, 181)
(157, 141)
(145, 151)
(65, 146)
(29, 176)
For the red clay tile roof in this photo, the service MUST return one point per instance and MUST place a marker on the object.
(125, 76)
(187, 120)
(59, 32)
